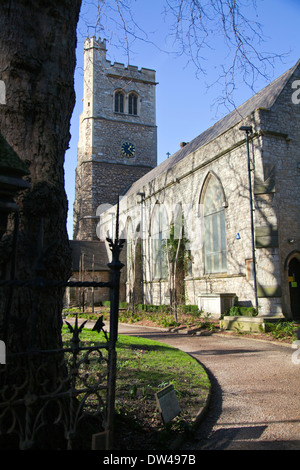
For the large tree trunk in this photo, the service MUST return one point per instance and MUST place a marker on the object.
(37, 61)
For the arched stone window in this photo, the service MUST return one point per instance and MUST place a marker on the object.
(159, 234)
(119, 101)
(133, 104)
(134, 264)
(130, 254)
(214, 226)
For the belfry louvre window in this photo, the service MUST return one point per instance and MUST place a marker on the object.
(119, 102)
(214, 228)
(132, 104)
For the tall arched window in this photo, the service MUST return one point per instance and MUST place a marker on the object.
(133, 104)
(130, 253)
(214, 227)
(119, 102)
(159, 234)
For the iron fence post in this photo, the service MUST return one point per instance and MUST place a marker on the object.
(33, 387)
(115, 274)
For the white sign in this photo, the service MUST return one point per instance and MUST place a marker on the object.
(167, 403)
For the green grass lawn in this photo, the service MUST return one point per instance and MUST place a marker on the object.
(144, 367)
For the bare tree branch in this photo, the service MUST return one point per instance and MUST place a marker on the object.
(197, 28)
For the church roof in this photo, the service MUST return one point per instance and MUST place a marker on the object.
(88, 249)
(265, 98)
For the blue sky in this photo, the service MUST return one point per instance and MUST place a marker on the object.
(185, 104)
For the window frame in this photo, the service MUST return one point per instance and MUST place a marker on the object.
(159, 234)
(214, 229)
(119, 101)
(133, 107)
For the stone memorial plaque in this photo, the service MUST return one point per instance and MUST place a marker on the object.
(167, 403)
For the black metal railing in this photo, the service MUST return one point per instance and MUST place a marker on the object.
(53, 398)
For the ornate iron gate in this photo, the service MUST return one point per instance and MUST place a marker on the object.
(79, 400)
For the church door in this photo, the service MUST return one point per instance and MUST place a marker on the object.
(294, 283)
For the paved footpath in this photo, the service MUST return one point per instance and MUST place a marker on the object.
(255, 403)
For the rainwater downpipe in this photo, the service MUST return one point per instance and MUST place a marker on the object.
(142, 200)
(248, 130)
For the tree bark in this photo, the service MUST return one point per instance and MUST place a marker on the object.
(37, 61)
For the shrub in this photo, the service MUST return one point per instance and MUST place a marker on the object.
(189, 309)
(237, 311)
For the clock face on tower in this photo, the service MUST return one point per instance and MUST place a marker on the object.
(128, 149)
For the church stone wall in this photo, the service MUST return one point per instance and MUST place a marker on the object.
(275, 156)
(274, 147)
(229, 164)
(281, 154)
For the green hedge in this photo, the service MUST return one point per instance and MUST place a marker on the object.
(189, 309)
(242, 311)
(153, 308)
(156, 308)
(106, 303)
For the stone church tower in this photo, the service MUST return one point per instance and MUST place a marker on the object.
(117, 134)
